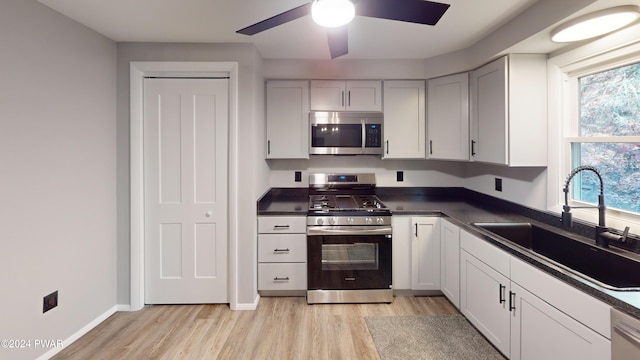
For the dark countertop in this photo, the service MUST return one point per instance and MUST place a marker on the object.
(464, 207)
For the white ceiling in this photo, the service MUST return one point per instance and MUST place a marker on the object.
(216, 21)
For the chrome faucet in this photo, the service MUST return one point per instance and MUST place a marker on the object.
(603, 236)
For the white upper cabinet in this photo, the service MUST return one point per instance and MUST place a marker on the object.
(351, 95)
(448, 117)
(404, 119)
(509, 111)
(287, 119)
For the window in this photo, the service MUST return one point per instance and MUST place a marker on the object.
(608, 137)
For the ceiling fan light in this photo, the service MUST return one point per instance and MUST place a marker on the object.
(595, 24)
(332, 13)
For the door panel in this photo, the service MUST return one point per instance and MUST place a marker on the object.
(185, 171)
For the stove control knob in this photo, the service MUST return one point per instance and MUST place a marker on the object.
(368, 221)
(350, 221)
(332, 221)
(319, 221)
(380, 221)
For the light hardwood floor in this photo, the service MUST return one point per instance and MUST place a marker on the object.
(280, 328)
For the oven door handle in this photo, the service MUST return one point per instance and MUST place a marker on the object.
(348, 230)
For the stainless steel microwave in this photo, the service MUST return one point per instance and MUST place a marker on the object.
(345, 133)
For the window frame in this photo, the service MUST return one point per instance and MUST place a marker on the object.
(565, 68)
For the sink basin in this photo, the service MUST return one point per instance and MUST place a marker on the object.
(613, 270)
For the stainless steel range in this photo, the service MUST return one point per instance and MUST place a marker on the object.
(348, 241)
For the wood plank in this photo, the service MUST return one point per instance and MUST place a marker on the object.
(280, 328)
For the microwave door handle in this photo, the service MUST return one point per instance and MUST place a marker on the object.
(364, 135)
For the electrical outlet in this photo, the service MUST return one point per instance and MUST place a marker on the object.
(400, 176)
(498, 184)
(298, 176)
(50, 301)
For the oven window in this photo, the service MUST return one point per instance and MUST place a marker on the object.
(336, 135)
(358, 256)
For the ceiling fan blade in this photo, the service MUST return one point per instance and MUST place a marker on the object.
(338, 41)
(415, 11)
(279, 19)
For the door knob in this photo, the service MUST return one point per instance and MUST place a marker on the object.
(208, 213)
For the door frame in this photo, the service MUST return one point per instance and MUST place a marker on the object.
(138, 71)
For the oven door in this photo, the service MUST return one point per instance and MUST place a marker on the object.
(349, 261)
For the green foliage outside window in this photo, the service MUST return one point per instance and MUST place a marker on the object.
(610, 107)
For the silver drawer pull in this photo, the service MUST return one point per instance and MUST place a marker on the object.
(350, 279)
(280, 227)
(281, 279)
(631, 334)
(281, 250)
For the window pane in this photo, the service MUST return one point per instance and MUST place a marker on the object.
(619, 165)
(610, 102)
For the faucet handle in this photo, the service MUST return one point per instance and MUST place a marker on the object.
(625, 233)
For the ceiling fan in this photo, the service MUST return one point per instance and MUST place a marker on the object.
(415, 11)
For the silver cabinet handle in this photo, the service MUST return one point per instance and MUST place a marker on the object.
(387, 147)
(628, 332)
(281, 250)
(349, 98)
(268, 147)
(342, 98)
(281, 279)
(281, 227)
(430, 147)
(473, 147)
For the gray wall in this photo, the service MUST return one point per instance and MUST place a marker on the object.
(57, 180)
(253, 178)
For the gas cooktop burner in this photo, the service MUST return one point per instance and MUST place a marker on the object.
(345, 203)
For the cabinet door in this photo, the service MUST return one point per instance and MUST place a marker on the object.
(450, 261)
(448, 117)
(425, 253)
(287, 120)
(328, 95)
(489, 112)
(484, 300)
(364, 95)
(540, 331)
(404, 119)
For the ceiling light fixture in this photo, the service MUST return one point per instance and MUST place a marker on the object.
(332, 13)
(595, 24)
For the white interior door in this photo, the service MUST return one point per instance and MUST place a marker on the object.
(185, 177)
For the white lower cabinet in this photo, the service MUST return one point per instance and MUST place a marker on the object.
(450, 261)
(526, 313)
(425, 253)
(282, 254)
(416, 253)
(484, 301)
(540, 331)
(282, 276)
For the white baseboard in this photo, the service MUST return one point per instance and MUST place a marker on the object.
(78, 334)
(123, 307)
(247, 306)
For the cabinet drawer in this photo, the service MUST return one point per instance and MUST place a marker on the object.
(282, 224)
(485, 252)
(282, 248)
(282, 276)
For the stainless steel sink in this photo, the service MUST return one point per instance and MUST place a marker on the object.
(610, 268)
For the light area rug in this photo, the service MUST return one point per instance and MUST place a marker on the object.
(428, 337)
